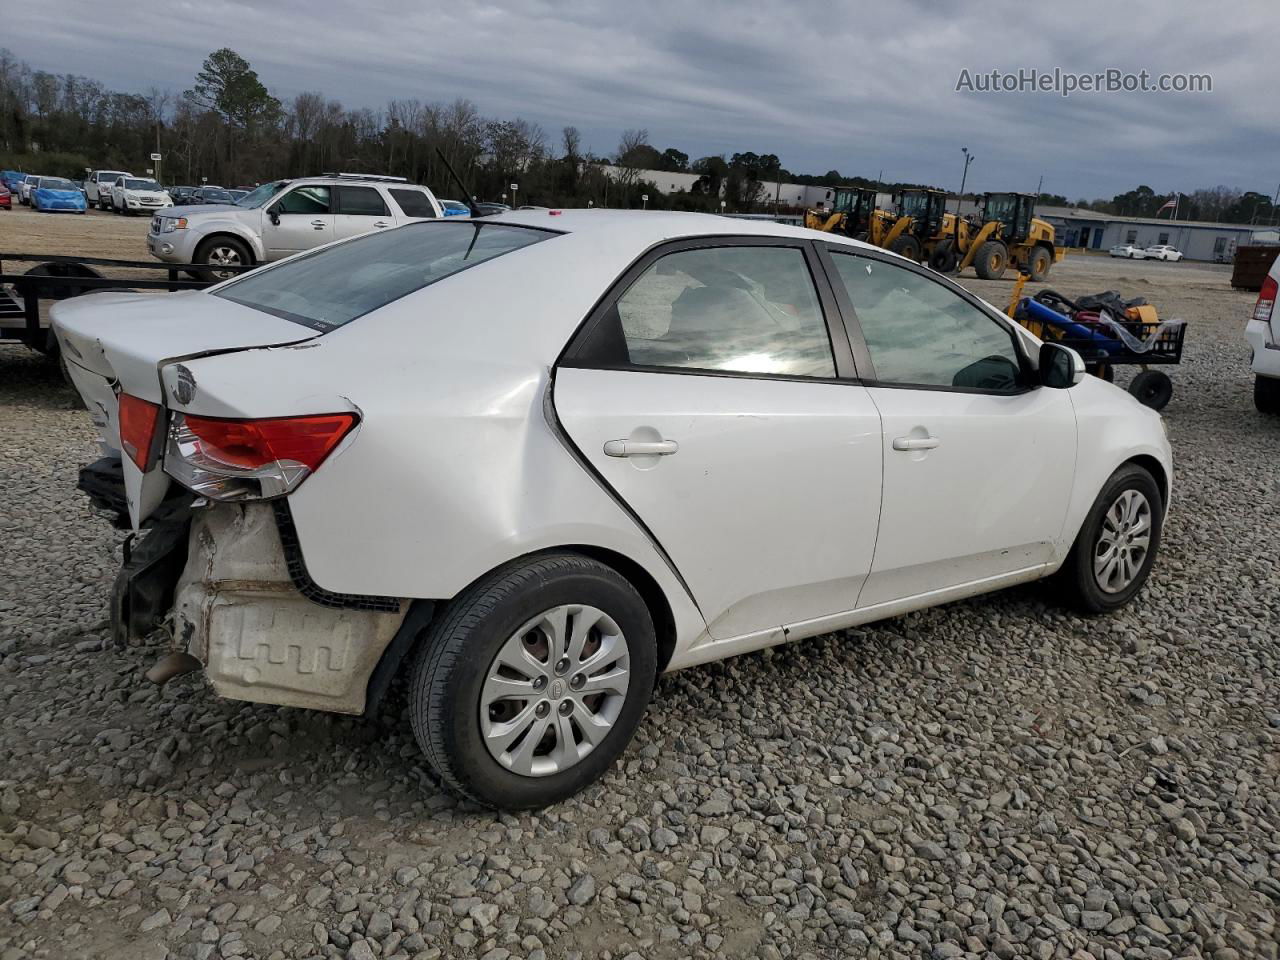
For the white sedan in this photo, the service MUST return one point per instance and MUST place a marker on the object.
(1163, 251)
(1128, 250)
(536, 459)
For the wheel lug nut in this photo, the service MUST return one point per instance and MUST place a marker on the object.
(542, 709)
(539, 683)
(576, 681)
(566, 707)
(562, 665)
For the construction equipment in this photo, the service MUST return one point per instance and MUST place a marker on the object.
(853, 213)
(1008, 232)
(919, 214)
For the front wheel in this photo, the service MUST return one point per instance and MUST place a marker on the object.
(221, 252)
(530, 684)
(1117, 544)
(993, 257)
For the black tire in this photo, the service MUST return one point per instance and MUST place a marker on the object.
(992, 259)
(1039, 260)
(1266, 394)
(1077, 576)
(944, 258)
(214, 244)
(907, 246)
(1152, 388)
(454, 657)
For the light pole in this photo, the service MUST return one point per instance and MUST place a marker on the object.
(968, 159)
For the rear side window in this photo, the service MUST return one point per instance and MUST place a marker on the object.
(737, 309)
(334, 285)
(414, 203)
(361, 202)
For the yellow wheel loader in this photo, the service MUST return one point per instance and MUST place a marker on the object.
(917, 223)
(853, 213)
(1008, 232)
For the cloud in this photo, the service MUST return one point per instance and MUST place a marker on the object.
(852, 86)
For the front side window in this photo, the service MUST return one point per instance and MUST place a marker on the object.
(739, 309)
(919, 333)
(361, 202)
(335, 285)
(309, 200)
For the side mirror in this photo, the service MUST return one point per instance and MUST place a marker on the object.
(1060, 367)
(274, 214)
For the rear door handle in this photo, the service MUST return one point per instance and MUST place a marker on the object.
(915, 443)
(640, 448)
(318, 224)
(380, 224)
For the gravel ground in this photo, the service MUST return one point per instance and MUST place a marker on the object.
(992, 778)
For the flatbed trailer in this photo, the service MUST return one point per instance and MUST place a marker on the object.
(62, 277)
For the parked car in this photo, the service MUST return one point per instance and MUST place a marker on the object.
(284, 217)
(180, 195)
(6, 198)
(28, 183)
(97, 186)
(1263, 334)
(1163, 251)
(1128, 250)
(490, 209)
(12, 179)
(58, 193)
(443, 461)
(132, 195)
(237, 195)
(209, 195)
(455, 208)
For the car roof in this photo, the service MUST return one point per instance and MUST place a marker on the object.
(645, 228)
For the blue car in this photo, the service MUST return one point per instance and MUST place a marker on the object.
(453, 208)
(13, 180)
(57, 193)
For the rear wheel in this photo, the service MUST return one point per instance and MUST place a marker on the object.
(1266, 394)
(531, 683)
(944, 258)
(221, 252)
(1152, 388)
(1117, 544)
(993, 257)
(907, 246)
(1038, 263)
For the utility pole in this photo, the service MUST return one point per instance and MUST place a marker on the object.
(968, 159)
(1039, 186)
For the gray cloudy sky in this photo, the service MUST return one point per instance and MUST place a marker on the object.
(858, 87)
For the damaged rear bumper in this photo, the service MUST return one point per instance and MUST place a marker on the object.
(237, 610)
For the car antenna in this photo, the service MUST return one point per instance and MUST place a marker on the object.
(471, 201)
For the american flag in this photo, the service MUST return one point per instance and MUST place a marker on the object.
(1170, 204)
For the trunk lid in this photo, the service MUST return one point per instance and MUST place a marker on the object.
(119, 342)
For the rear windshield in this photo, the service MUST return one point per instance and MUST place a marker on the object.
(333, 286)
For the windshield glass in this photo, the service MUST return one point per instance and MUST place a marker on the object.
(56, 183)
(222, 195)
(260, 195)
(142, 185)
(333, 286)
(1001, 208)
(110, 176)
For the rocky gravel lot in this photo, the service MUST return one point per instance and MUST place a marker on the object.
(995, 778)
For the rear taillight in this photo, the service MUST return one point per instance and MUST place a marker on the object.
(1266, 300)
(251, 459)
(137, 428)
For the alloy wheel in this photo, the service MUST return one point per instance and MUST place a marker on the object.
(223, 256)
(1123, 542)
(554, 690)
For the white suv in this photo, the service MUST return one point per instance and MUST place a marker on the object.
(132, 195)
(285, 217)
(1263, 334)
(97, 187)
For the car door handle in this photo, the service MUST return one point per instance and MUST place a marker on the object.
(915, 443)
(318, 224)
(380, 224)
(640, 448)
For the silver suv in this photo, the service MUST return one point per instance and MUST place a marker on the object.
(285, 217)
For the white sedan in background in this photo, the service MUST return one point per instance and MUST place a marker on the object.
(536, 459)
(1128, 250)
(1163, 251)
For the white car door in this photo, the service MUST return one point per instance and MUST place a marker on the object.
(298, 220)
(359, 210)
(978, 463)
(705, 393)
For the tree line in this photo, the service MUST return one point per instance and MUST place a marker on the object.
(228, 129)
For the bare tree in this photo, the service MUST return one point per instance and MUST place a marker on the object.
(571, 142)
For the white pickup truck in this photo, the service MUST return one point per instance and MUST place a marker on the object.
(97, 187)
